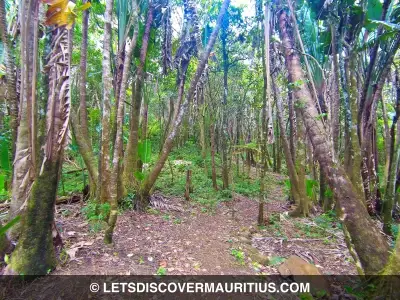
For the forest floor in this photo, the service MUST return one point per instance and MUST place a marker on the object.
(203, 241)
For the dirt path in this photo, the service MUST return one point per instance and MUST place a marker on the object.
(197, 241)
(189, 242)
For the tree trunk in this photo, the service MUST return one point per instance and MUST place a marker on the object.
(85, 150)
(303, 204)
(213, 168)
(105, 153)
(335, 99)
(202, 109)
(143, 135)
(118, 144)
(367, 130)
(296, 190)
(353, 165)
(369, 243)
(83, 118)
(23, 172)
(34, 253)
(188, 187)
(278, 147)
(12, 96)
(387, 139)
(393, 163)
(132, 156)
(224, 129)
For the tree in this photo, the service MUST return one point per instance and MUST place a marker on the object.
(116, 168)
(152, 177)
(12, 96)
(25, 157)
(370, 245)
(35, 251)
(131, 156)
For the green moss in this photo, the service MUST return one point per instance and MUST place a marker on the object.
(110, 230)
(34, 254)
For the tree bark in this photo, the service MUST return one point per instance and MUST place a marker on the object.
(83, 118)
(188, 186)
(335, 99)
(213, 168)
(387, 138)
(85, 150)
(354, 163)
(224, 129)
(203, 143)
(105, 154)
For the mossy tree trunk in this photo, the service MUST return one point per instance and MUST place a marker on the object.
(86, 151)
(35, 253)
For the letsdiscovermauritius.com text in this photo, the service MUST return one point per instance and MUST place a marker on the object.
(201, 287)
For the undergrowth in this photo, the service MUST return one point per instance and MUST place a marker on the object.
(96, 214)
(172, 179)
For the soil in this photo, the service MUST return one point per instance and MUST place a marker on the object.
(199, 242)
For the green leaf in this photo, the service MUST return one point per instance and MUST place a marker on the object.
(144, 151)
(9, 224)
(310, 183)
(4, 155)
(2, 184)
(374, 10)
(161, 271)
(388, 25)
(123, 10)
